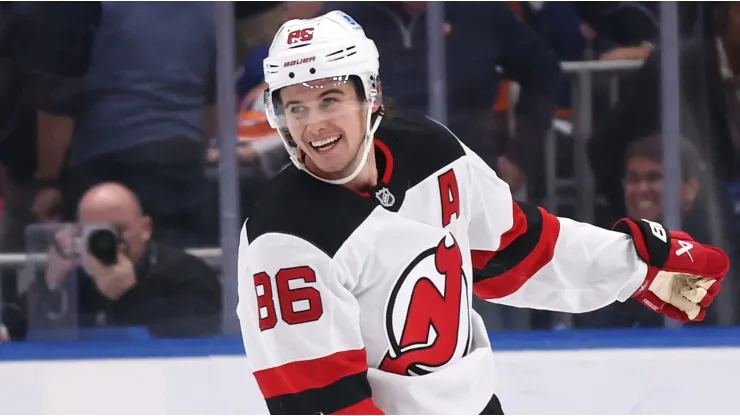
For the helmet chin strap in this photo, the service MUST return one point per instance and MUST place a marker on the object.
(368, 144)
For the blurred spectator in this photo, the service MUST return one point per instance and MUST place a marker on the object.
(560, 25)
(44, 55)
(480, 39)
(45, 52)
(643, 193)
(172, 293)
(708, 109)
(643, 183)
(620, 30)
(143, 121)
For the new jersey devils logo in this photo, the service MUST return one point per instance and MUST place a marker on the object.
(427, 315)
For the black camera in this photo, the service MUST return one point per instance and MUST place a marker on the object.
(101, 241)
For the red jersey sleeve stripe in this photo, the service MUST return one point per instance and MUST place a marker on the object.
(482, 257)
(298, 376)
(527, 247)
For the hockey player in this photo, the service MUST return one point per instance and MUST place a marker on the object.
(358, 264)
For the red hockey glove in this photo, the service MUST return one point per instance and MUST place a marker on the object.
(683, 276)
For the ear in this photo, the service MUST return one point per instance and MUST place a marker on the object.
(378, 96)
(689, 191)
(147, 227)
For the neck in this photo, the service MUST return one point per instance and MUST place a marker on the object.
(368, 176)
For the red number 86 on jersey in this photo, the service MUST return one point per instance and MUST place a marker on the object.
(297, 306)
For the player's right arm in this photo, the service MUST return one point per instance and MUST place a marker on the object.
(301, 328)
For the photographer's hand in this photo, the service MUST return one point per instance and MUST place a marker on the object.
(113, 281)
(4, 334)
(61, 259)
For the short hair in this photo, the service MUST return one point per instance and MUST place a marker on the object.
(651, 147)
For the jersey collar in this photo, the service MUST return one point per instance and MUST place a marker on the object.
(391, 189)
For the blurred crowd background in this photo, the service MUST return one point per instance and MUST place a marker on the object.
(122, 123)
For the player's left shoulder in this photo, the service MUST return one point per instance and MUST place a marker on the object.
(424, 145)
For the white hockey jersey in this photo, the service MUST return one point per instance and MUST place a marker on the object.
(361, 303)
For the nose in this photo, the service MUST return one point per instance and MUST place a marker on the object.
(643, 186)
(315, 123)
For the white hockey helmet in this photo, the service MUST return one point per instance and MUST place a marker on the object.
(329, 46)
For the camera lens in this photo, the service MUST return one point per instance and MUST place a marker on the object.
(103, 244)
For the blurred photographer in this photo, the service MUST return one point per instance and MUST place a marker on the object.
(123, 278)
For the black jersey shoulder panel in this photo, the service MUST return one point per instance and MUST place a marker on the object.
(422, 146)
(297, 204)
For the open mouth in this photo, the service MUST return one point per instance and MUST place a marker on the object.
(324, 145)
(645, 204)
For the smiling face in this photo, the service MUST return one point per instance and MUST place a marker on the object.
(643, 189)
(327, 121)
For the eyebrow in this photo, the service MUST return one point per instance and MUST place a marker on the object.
(322, 95)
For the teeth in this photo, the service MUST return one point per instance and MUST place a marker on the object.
(324, 142)
(645, 204)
